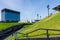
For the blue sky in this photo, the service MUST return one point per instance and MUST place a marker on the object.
(29, 8)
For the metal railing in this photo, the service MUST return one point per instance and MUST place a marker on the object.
(47, 33)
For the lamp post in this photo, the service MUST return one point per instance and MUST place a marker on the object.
(48, 9)
(40, 17)
(37, 16)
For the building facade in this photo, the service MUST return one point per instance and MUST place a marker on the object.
(57, 8)
(10, 15)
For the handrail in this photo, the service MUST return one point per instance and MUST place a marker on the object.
(44, 29)
(49, 29)
(21, 33)
(47, 32)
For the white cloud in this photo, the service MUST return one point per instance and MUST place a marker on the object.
(12, 3)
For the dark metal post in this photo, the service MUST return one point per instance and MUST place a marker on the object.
(48, 9)
(37, 16)
(47, 34)
(27, 37)
(15, 35)
(40, 17)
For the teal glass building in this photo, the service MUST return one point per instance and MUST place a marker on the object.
(10, 15)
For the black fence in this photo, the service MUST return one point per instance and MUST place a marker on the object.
(46, 38)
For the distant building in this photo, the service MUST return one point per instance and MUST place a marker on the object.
(37, 20)
(57, 8)
(10, 15)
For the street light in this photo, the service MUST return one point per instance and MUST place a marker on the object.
(37, 16)
(48, 9)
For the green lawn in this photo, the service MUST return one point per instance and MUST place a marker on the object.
(7, 25)
(52, 22)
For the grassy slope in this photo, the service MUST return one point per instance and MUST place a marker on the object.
(6, 25)
(13, 37)
(52, 22)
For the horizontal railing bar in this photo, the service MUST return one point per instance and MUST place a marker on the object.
(33, 31)
(40, 29)
(21, 33)
(44, 29)
(49, 29)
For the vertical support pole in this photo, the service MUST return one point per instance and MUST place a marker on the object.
(48, 9)
(47, 34)
(37, 16)
(15, 35)
(27, 37)
(48, 12)
(40, 17)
